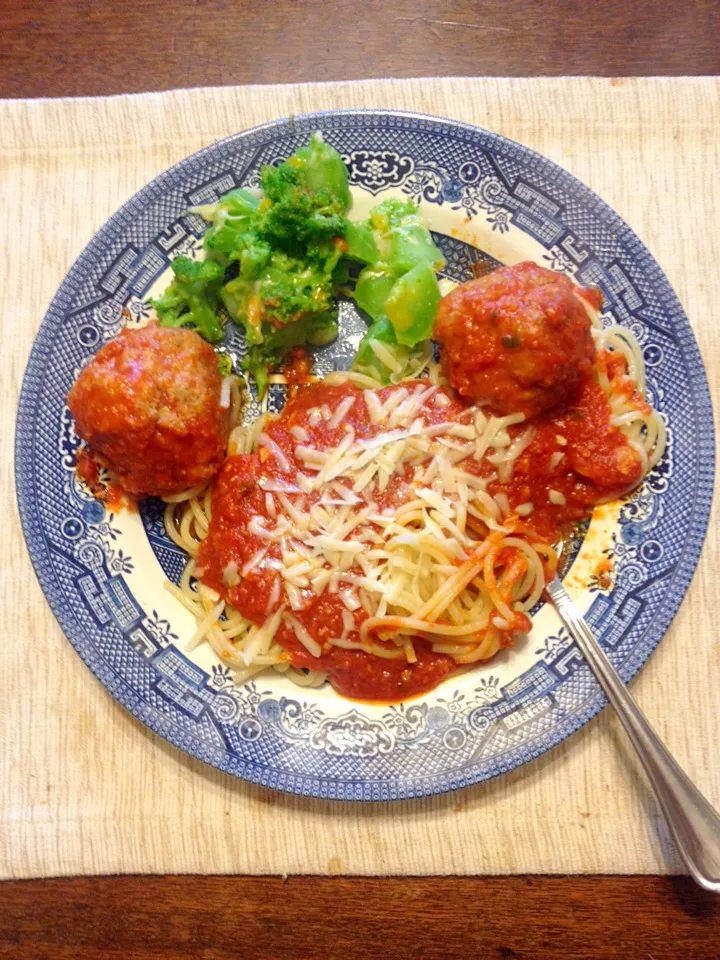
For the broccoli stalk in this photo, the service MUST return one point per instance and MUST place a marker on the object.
(413, 303)
(402, 236)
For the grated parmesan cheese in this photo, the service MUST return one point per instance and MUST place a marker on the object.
(334, 533)
(231, 577)
(340, 413)
(375, 408)
(283, 463)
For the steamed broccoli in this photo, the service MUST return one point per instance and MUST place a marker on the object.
(277, 292)
(321, 171)
(402, 235)
(399, 288)
(413, 303)
(231, 218)
(275, 261)
(225, 364)
(305, 200)
(373, 287)
(193, 297)
(281, 252)
(360, 243)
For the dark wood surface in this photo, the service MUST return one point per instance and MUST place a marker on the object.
(203, 918)
(90, 47)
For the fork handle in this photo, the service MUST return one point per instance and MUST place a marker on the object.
(694, 824)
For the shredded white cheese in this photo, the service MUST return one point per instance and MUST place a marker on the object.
(326, 528)
(225, 392)
(340, 413)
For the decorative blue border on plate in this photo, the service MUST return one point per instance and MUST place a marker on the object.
(415, 749)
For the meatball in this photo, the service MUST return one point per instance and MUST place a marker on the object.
(517, 339)
(148, 406)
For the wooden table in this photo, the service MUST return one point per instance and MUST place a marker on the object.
(96, 47)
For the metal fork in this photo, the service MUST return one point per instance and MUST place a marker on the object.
(694, 824)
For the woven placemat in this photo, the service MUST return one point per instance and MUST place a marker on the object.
(84, 788)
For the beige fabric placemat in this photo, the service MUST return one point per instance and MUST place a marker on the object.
(84, 788)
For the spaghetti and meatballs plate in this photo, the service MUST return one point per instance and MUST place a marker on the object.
(306, 497)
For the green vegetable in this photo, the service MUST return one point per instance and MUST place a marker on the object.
(224, 365)
(288, 250)
(412, 304)
(360, 243)
(306, 199)
(282, 291)
(319, 167)
(412, 244)
(275, 262)
(317, 330)
(341, 274)
(235, 213)
(373, 362)
(400, 290)
(373, 289)
(280, 255)
(402, 235)
(193, 297)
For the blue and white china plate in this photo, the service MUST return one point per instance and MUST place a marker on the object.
(103, 573)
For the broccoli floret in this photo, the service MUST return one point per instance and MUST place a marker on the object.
(285, 291)
(319, 168)
(306, 198)
(225, 364)
(192, 298)
(296, 218)
(316, 329)
(231, 218)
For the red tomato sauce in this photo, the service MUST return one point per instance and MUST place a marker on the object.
(87, 470)
(297, 371)
(597, 463)
(111, 494)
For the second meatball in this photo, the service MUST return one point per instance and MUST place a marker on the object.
(517, 339)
